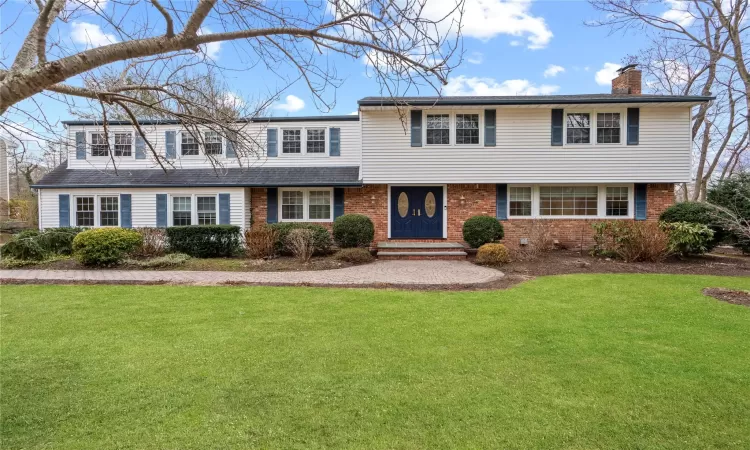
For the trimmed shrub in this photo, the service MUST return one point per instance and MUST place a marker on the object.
(154, 242)
(205, 241)
(321, 236)
(688, 238)
(631, 241)
(261, 242)
(353, 230)
(301, 243)
(170, 260)
(354, 255)
(695, 212)
(492, 255)
(480, 230)
(105, 246)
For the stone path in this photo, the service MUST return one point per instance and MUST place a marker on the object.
(427, 273)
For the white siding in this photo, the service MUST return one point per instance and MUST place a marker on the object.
(350, 148)
(524, 155)
(143, 208)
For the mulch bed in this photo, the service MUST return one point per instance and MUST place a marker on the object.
(729, 296)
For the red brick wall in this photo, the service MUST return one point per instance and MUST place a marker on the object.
(465, 201)
(372, 201)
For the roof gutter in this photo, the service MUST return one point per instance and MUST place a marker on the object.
(694, 99)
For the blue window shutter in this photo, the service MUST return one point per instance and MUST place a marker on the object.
(490, 127)
(416, 128)
(64, 210)
(634, 123)
(126, 218)
(335, 147)
(224, 209)
(502, 201)
(80, 145)
(272, 205)
(338, 202)
(161, 210)
(170, 139)
(230, 149)
(641, 206)
(272, 143)
(557, 127)
(140, 147)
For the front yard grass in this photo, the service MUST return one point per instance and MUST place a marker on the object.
(579, 361)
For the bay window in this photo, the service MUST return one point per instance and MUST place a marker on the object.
(314, 204)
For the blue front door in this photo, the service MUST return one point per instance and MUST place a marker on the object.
(416, 212)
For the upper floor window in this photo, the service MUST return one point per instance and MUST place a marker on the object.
(291, 141)
(579, 128)
(467, 128)
(608, 128)
(212, 141)
(99, 144)
(123, 144)
(438, 129)
(316, 140)
(189, 145)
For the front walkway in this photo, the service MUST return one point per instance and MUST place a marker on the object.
(396, 273)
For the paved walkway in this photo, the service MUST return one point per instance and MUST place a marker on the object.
(427, 273)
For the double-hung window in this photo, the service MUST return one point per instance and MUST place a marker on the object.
(438, 129)
(123, 144)
(97, 211)
(182, 211)
(85, 211)
(608, 128)
(189, 144)
(212, 141)
(291, 141)
(109, 211)
(206, 210)
(617, 201)
(467, 129)
(578, 128)
(568, 200)
(306, 205)
(99, 144)
(316, 140)
(520, 200)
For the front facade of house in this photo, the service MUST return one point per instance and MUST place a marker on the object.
(418, 167)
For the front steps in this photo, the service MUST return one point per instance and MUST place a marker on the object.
(397, 250)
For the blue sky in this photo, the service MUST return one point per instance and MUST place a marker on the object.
(511, 47)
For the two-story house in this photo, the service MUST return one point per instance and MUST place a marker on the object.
(417, 166)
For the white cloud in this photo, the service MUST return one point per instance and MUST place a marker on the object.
(515, 43)
(553, 70)
(212, 48)
(475, 58)
(679, 12)
(292, 103)
(462, 85)
(608, 73)
(90, 34)
(485, 19)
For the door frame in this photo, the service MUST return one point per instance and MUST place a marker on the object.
(445, 205)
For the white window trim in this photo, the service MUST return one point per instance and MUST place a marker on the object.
(592, 126)
(305, 204)
(601, 199)
(452, 129)
(201, 147)
(193, 207)
(97, 209)
(111, 143)
(303, 142)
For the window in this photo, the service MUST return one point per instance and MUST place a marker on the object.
(438, 129)
(617, 201)
(206, 210)
(108, 211)
(579, 128)
(608, 128)
(316, 140)
(181, 211)
(467, 128)
(99, 144)
(291, 141)
(320, 205)
(189, 145)
(84, 211)
(520, 201)
(212, 140)
(123, 144)
(292, 205)
(568, 200)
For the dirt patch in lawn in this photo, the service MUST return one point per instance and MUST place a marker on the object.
(729, 295)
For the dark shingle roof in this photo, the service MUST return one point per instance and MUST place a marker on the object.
(533, 99)
(347, 118)
(62, 177)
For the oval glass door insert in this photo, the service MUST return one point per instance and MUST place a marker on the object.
(429, 204)
(403, 204)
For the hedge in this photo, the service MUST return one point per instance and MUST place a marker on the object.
(205, 241)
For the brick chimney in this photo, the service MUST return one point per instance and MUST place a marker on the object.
(628, 81)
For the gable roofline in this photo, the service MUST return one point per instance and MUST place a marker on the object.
(346, 118)
(532, 100)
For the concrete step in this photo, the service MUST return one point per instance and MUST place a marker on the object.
(389, 247)
(410, 255)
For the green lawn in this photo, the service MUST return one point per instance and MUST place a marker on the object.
(585, 361)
